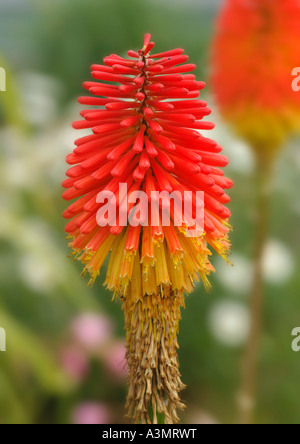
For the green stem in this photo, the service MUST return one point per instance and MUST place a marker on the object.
(247, 394)
(160, 417)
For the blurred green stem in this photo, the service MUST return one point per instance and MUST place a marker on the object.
(247, 394)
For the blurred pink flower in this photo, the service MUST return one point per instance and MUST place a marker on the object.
(91, 413)
(116, 361)
(91, 330)
(75, 363)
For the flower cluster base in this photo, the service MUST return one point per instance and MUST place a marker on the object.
(154, 377)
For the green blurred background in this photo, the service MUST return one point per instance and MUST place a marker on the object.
(65, 353)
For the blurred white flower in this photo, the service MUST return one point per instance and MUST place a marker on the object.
(229, 322)
(17, 169)
(16, 173)
(278, 264)
(201, 417)
(237, 278)
(239, 153)
(37, 160)
(37, 272)
(241, 156)
(39, 260)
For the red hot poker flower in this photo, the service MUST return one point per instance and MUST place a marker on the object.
(145, 136)
(256, 47)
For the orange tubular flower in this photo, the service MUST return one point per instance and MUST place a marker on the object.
(256, 47)
(147, 139)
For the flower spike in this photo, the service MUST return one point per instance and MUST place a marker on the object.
(145, 138)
